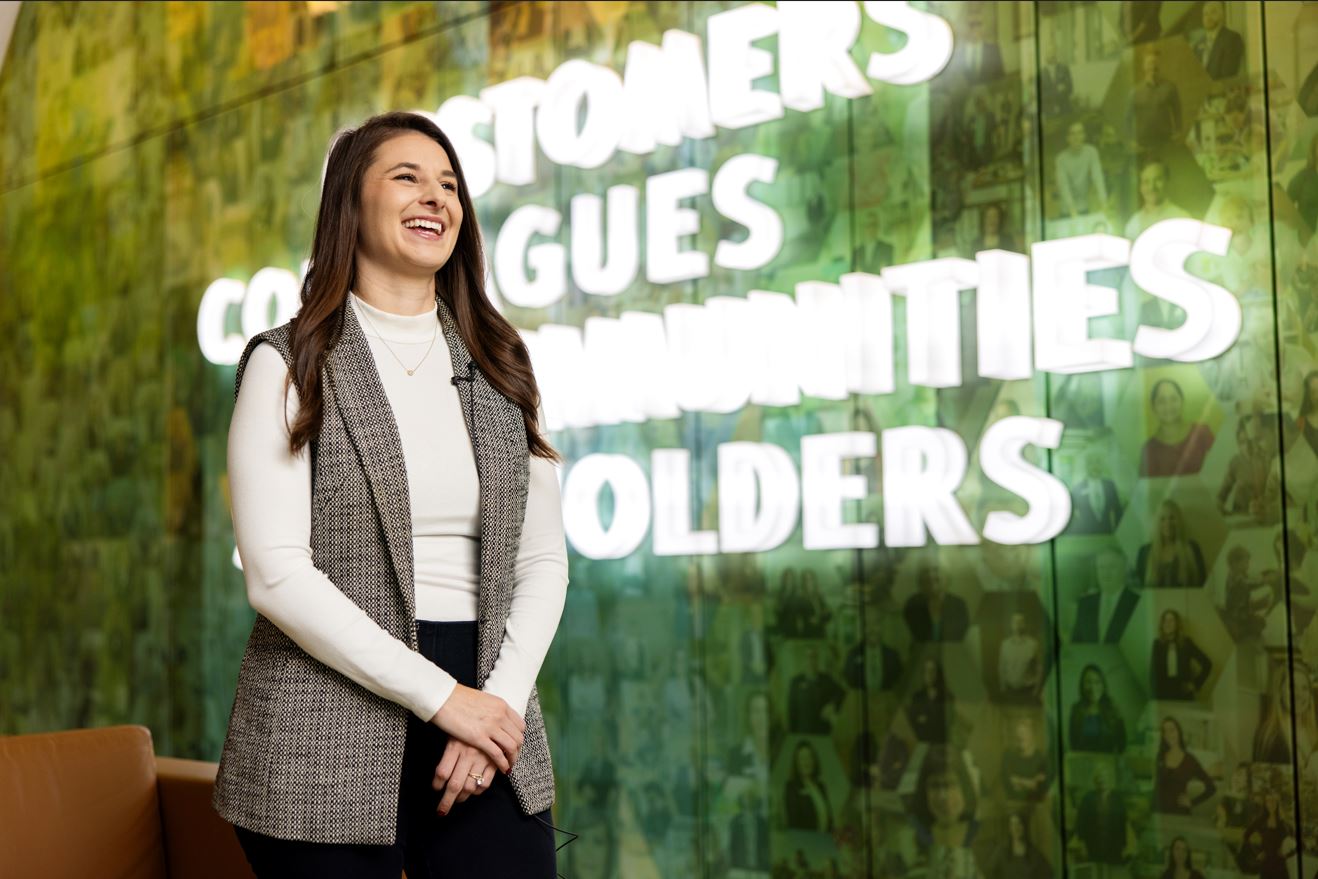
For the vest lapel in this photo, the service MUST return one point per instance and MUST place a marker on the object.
(370, 422)
(498, 435)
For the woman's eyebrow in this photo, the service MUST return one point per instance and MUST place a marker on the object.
(415, 167)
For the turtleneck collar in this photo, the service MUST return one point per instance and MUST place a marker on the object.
(395, 327)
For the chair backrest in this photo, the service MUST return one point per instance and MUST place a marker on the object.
(80, 803)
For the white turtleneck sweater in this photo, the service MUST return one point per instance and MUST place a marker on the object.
(271, 497)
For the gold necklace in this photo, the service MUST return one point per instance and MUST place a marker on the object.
(435, 335)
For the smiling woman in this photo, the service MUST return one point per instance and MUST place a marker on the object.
(384, 501)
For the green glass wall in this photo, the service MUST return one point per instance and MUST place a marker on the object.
(1140, 686)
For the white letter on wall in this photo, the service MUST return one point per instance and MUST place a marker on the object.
(922, 469)
(814, 52)
(734, 64)
(513, 105)
(928, 44)
(671, 470)
(824, 488)
(589, 270)
(1001, 460)
(746, 470)
(1212, 314)
(665, 93)
(571, 83)
(547, 260)
(1064, 301)
(933, 316)
(631, 506)
(1002, 315)
(868, 334)
(732, 200)
(667, 222)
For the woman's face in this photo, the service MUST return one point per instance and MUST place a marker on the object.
(805, 763)
(1171, 736)
(409, 177)
(1168, 403)
(944, 797)
(1167, 522)
(1168, 625)
(1092, 686)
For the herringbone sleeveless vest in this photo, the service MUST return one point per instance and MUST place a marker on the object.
(310, 754)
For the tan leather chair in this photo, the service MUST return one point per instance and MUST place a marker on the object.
(99, 802)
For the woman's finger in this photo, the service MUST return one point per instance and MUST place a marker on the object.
(447, 763)
(457, 781)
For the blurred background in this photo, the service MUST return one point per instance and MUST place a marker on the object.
(1134, 694)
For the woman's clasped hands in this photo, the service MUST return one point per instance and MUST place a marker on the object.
(484, 734)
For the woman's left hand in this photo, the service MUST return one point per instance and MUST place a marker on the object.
(455, 774)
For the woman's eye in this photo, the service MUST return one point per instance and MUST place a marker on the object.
(411, 177)
(452, 187)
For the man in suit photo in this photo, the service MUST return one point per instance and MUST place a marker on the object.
(1103, 614)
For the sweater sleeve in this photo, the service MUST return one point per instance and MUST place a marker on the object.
(539, 591)
(271, 509)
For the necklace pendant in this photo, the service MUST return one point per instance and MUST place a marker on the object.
(409, 372)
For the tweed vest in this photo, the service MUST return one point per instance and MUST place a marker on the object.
(310, 754)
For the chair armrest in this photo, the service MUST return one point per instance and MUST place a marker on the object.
(199, 844)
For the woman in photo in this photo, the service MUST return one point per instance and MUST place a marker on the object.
(804, 799)
(1178, 769)
(1271, 839)
(1019, 858)
(1177, 446)
(377, 724)
(1172, 560)
(1178, 861)
(944, 803)
(1279, 728)
(1178, 668)
(932, 710)
(1095, 723)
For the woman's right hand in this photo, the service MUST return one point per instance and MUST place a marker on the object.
(484, 721)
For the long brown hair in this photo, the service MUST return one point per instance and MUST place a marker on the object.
(494, 343)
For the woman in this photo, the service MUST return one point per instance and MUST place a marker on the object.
(1271, 839)
(395, 491)
(1177, 770)
(1095, 724)
(804, 799)
(944, 803)
(1178, 861)
(1027, 770)
(1178, 668)
(1278, 729)
(1176, 448)
(932, 710)
(1172, 560)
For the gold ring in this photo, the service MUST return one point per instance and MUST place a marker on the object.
(479, 779)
